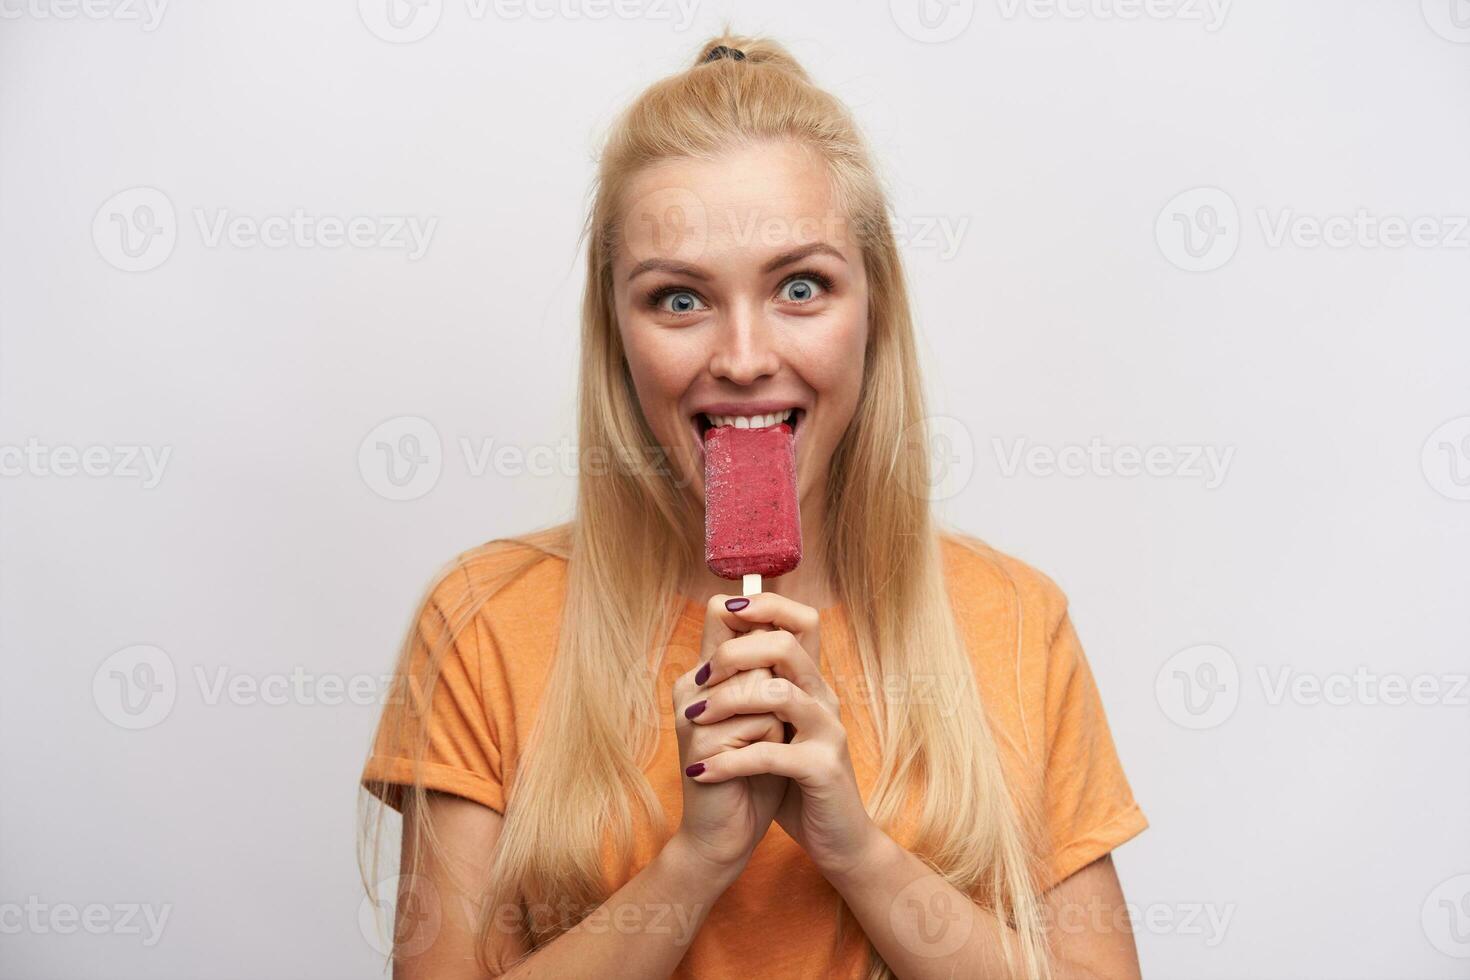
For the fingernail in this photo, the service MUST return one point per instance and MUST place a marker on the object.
(736, 604)
(694, 709)
(702, 676)
(694, 770)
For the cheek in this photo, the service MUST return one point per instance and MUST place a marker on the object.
(661, 367)
(833, 359)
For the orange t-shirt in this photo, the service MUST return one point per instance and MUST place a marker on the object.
(779, 917)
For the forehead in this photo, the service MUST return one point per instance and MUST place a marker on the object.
(748, 203)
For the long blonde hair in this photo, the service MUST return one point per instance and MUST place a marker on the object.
(636, 535)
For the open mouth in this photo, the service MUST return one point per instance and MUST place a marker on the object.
(705, 423)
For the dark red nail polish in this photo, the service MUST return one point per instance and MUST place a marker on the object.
(703, 675)
(694, 770)
(736, 604)
(694, 709)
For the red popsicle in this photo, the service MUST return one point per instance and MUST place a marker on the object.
(752, 522)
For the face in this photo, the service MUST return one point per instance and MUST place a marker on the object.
(740, 291)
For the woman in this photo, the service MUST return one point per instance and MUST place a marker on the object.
(590, 738)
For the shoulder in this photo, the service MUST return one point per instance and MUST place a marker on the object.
(521, 576)
(1014, 621)
(1035, 681)
(988, 585)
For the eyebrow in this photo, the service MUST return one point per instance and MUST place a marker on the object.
(784, 259)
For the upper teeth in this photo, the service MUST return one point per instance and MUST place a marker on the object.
(750, 421)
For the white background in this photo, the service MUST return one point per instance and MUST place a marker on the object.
(1051, 143)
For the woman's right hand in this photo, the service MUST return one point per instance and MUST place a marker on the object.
(723, 822)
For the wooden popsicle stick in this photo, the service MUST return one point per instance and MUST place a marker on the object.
(751, 584)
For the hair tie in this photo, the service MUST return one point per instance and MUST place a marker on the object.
(720, 51)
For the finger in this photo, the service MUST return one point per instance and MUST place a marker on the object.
(794, 760)
(720, 624)
(777, 650)
(777, 696)
(728, 611)
(689, 700)
(732, 733)
(778, 611)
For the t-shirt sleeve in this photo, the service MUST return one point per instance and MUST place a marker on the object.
(1089, 807)
(438, 684)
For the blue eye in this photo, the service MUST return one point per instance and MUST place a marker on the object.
(802, 289)
(678, 301)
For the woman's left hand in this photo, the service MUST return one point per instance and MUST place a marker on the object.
(823, 809)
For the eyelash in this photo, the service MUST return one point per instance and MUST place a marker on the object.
(659, 295)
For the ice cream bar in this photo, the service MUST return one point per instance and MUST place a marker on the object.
(752, 523)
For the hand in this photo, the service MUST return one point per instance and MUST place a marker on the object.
(723, 822)
(823, 808)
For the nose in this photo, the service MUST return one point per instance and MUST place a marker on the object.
(745, 347)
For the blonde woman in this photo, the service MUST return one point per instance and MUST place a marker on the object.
(891, 762)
